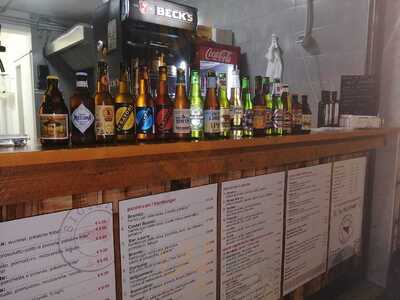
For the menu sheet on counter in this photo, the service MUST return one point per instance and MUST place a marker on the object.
(66, 255)
(346, 209)
(251, 238)
(169, 245)
(307, 223)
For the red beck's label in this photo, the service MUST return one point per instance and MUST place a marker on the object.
(164, 120)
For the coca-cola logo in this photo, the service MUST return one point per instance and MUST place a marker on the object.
(219, 55)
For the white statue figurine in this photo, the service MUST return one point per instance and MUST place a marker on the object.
(273, 56)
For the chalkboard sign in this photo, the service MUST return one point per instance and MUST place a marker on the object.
(358, 95)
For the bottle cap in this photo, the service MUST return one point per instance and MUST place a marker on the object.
(52, 77)
(81, 74)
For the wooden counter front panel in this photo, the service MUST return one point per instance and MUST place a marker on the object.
(36, 182)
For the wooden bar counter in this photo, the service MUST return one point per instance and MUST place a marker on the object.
(36, 181)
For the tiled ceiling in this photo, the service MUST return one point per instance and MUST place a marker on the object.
(77, 10)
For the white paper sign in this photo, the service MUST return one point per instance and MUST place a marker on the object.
(66, 255)
(252, 230)
(307, 222)
(347, 209)
(169, 245)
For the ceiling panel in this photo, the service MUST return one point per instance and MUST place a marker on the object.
(65, 9)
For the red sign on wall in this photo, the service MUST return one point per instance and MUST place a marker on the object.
(208, 51)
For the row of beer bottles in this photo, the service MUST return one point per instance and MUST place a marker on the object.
(105, 119)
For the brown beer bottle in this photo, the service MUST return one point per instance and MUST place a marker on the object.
(164, 107)
(124, 109)
(181, 109)
(82, 113)
(211, 108)
(105, 127)
(260, 112)
(297, 114)
(53, 114)
(144, 108)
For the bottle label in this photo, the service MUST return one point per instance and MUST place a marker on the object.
(306, 122)
(248, 119)
(164, 119)
(182, 121)
(287, 121)
(268, 119)
(105, 120)
(277, 119)
(259, 120)
(54, 126)
(211, 121)
(196, 119)
(144, 120)
(82, 118)
(327, 116)
(225, 119)
(237, 116)
(297, 117)
(124, 118)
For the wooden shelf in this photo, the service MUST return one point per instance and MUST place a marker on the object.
(33, 173)
(36, 155)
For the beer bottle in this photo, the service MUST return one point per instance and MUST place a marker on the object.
(324, 109)
(211, 108)
(105, 126)
(297, 114)
(124, 109)
(335, 110)
(53, 116)
(236, 107)
(144, 108)
(224, 113)
(196, 107)
(82, 109)
(181, 108)
(164, 107)
(259, 108)
(248, 108)
(267, 95)
(307, 115)
(277, 108)
(287, 110)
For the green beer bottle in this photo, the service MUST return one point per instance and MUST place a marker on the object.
(248, 116)
(196, 107)
(236, 106)
(268, 106)
(225, 113)
(277, 108)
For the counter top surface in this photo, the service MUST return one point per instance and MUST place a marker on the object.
(36, 155)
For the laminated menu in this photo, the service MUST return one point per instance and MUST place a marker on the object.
(307, 222)
(251, 237)
(346, 209)
(66, 255)
(169, 245)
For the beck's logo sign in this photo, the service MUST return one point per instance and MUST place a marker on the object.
(146, 9)
(219, 55)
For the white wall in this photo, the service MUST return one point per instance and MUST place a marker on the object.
(340, 32)
(17, 41)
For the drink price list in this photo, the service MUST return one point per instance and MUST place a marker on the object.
(307, 222)
(66, 255)
(347, 209)
(252, 230)
(169, 245)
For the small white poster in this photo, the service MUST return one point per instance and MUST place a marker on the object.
(307, 223)
(347, 209)
(66, 255)
(169, 245)
(251, 237)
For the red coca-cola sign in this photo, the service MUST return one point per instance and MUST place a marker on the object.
(217, 53)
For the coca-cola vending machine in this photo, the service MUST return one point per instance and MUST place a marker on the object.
(218, 58)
